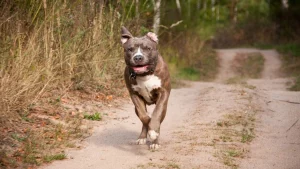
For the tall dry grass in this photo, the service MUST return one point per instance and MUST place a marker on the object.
(60, 44)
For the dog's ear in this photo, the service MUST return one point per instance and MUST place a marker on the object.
(152, 36)
(125, 35)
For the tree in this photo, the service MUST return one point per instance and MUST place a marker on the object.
(156, 19)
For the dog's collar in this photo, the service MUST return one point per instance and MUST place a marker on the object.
(132, 75)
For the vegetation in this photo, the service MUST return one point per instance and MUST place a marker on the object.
(97, 116)
(53, 50)
(291, 62)
(248, 65)
(54, 157)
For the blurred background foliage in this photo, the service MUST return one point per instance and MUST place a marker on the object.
(58, 44)
(50, 47)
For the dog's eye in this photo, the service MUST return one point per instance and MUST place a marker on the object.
(130, 49)
(148, 48)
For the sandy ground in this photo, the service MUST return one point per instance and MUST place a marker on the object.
(190, 135)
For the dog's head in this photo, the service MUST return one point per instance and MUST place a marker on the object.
(141, 53)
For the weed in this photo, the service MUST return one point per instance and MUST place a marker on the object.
(172, 165)
(95, 117)
(189, 74)
(248, 65)
(17, 137)
(220, 124)
(169, 165)
(291, 62)
(234, 153)
(292, 49)
(226, 138)
(247, 136)
(49, 158)
(296, 85)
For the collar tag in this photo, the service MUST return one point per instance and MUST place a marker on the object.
(132, 75)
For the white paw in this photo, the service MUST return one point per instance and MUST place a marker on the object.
(141, 141)
(152, 135)
(154, 146)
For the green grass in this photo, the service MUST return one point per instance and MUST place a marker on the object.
(95, 117)
(241, 81)
(296, 85)
(49, 158)
(247, 136)
(290, 55)
(234, 153)
(290, 48)
(189, 73)
(169, 165)
(203, 68)
(263, 46)
(18, 137)
(249, 66)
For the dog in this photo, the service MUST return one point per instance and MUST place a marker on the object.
(148, 81)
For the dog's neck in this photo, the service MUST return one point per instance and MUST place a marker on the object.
(133, 75)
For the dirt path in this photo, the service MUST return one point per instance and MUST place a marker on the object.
(204, 127)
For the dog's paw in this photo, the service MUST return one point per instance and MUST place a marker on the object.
(154, 146)
(141, 141)
(152, 135)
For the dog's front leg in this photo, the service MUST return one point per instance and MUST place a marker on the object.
(158, 116)
(141, 112)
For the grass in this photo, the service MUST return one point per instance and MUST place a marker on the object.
(50, 158)
(296, 85)
(50, 49)
(17, 137)
(189, 74)
(234, 153)
(247, 136)
(54, 48)
(95, 117)
(168, 165)
(239, 80)
(203, 67)
(292, 49)
(290, 56)
(238, 128)
(248, 65)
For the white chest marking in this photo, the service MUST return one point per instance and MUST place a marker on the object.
(145, 85)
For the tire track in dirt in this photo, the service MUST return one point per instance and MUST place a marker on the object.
(203, 127)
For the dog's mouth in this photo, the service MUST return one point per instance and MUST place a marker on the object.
(140, 69)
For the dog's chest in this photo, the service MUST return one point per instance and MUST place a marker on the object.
(145, 85)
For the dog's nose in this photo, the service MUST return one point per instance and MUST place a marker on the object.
(138, 58)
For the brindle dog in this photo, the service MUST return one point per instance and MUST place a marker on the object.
(148, 82)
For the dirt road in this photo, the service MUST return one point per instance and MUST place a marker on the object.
(208, 125)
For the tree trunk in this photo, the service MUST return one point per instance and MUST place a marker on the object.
(213, 9)
(178, 6)
(285, 4)
(233, 11)
(198, 4)
(189, 9)
(137, 12)
(156, 19)
(218, 12)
